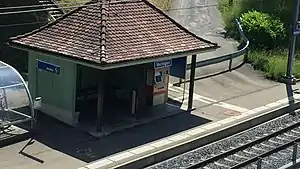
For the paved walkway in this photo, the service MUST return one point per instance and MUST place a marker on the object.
(61, 144)
(229, 113)
(217, 98)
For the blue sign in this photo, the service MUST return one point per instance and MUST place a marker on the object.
(49, 67)
(162, 64)
(178, 68)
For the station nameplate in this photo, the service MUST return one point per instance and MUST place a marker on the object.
(49, 67)
(162, 64)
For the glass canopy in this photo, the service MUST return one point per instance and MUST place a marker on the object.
(16, 105)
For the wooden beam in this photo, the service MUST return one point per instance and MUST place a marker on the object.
(100, 102)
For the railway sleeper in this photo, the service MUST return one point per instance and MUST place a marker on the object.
(275, 142)
(284, 139)
(221, 165)
(266, 145)
(259, 149)
(294, 131)
(241, 157)
(290, 135)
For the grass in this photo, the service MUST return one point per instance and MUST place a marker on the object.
(272, 63)
(229, 13)
(162, 4)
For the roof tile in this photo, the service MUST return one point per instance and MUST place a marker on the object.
(135, 30)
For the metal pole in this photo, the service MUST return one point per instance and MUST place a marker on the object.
(192, 82)
(295, 152)
(259, 163)
(293, 40)
(230, 64)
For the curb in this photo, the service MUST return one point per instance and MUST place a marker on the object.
(15, 138)
(157, 151)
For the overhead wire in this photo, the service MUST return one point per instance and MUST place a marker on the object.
(46, 9)
(77, 6)
(32, 23)
(50, 9)
(22, 24)
(82, 2)
(40, 5)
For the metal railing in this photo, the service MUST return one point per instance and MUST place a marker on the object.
(58, 6)
(227, 57)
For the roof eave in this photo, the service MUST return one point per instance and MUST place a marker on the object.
(107, 66)
(151, 60)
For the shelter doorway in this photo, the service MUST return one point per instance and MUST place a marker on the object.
(120, 97)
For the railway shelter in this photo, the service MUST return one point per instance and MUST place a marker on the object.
(108, 61)
(16, 104)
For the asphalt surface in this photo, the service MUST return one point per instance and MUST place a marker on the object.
(203, 18)
(61, 144)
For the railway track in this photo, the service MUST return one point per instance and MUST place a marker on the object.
(269, 145)
(252, 154)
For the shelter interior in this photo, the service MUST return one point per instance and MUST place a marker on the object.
(76, 93)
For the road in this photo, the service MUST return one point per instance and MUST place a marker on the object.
(203, 18)
(64, 147)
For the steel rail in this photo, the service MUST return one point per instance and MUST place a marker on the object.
(266, 154)
(243, 147)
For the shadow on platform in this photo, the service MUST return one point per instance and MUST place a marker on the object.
(82, 146)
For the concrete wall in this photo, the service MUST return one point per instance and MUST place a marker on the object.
(57, 90)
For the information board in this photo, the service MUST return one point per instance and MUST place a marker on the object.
(178, 68)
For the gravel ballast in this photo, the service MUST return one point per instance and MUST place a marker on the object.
(276, 160)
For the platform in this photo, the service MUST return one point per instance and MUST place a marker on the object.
(13, 134)
(150, 153)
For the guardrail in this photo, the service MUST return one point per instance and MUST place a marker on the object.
(227, 57)
(58, 6)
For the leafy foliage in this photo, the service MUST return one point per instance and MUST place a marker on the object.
(272, 63)
(265, 23)
(263, 30)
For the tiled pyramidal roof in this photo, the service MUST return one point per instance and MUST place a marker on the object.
(113, 32)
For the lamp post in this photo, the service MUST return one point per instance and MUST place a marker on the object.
(289, 79)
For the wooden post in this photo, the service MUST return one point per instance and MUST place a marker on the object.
(192, 82)
(133, 102)
(100, 102)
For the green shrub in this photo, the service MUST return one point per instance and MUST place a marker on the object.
(272, 63)
(162, 4)
(263, 30)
